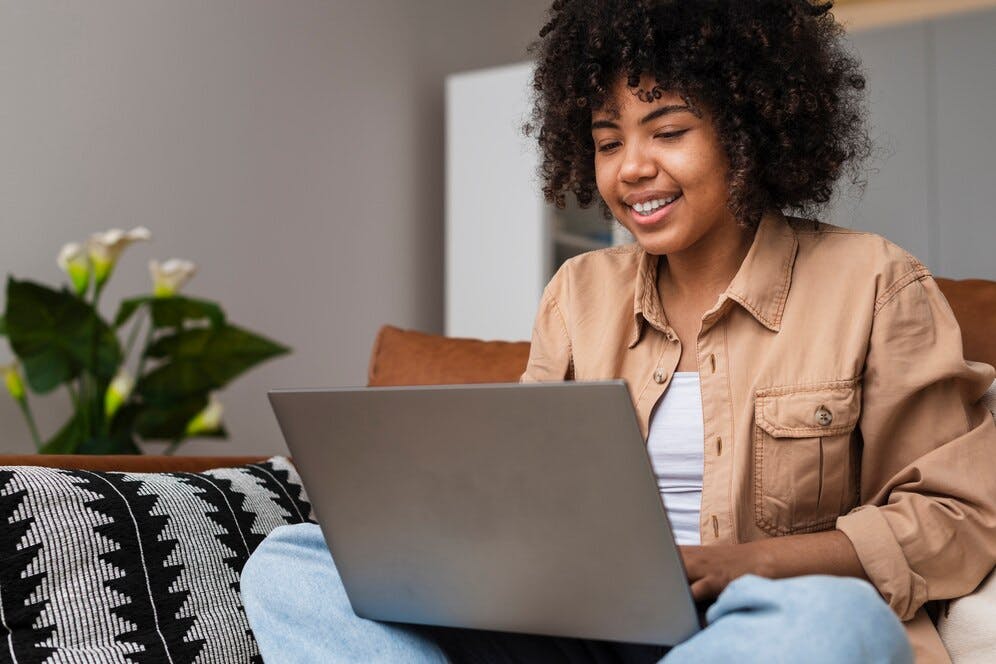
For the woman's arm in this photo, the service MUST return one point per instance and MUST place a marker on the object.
(711, 568)
(926, 528)
(550, 348)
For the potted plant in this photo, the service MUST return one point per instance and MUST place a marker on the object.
(159, 384)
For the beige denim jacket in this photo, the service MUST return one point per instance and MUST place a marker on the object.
(834, 395)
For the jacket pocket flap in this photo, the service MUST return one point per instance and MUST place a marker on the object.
(799, 411)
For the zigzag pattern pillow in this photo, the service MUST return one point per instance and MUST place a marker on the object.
(135, 567)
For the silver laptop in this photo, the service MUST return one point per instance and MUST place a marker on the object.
(514, 507)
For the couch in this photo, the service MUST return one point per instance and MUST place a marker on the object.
(402, 357)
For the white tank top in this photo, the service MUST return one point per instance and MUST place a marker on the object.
(675, 445)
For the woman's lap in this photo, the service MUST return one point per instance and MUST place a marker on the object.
(299, 613)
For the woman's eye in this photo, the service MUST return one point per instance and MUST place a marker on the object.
(670, 134)
(608, 147)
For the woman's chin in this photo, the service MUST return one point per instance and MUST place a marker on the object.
(660, 241)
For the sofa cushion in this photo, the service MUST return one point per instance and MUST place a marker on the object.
(973, 302)
(135, 567)
(406, 357)
(968, 624)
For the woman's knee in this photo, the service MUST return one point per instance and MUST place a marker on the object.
(809, 618)
(816, 597)
(831, 603)
(290, 564)
(297, 541)
(299, 611)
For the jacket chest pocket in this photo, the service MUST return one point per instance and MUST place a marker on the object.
(805, 455)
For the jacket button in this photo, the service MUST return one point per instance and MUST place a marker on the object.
(659, 376)
(823, 416)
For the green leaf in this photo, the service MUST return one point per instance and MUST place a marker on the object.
(174, 311)
(46, 371)
(113, 444)
(3, 326)
(171, 311)
(167, 421)
(68, 439)
(202, 360)
(127, 308)
(57, 335)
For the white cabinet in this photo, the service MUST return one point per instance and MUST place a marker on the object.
(503, 241)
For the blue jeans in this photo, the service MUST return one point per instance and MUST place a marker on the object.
(299, 612)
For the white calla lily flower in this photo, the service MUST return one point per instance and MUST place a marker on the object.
(72, 260)
(118, 392)
(104, 249)
(208, 420)
(169, 277)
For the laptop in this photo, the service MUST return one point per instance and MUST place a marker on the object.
(526, 508)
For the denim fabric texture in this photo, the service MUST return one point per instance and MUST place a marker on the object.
(299, 612)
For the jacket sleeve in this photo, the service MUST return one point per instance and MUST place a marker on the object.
(550, 348)
(926, 528)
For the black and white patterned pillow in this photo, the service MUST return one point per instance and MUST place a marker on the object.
(135, 567)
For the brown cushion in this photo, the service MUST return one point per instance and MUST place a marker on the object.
(974, 304)
(406, 357)
(128, 463)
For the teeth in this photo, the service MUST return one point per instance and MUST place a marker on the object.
(650, 206)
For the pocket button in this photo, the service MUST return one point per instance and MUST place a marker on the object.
(823, 416)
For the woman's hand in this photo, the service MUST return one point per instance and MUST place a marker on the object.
(711, 568)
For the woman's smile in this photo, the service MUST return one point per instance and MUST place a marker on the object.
(652, 209)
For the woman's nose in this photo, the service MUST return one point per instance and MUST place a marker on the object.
(637, 164)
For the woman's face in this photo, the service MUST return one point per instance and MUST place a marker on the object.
(661, 169)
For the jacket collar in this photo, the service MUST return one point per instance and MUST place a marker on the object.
(760, 286)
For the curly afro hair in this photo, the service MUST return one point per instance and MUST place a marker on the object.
(785, 96)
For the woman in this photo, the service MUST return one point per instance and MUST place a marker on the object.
(813, 425)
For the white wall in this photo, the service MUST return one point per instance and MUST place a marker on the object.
(294, 150)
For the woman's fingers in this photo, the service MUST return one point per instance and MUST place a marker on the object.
(706, 588)
(706, 571)
(691, 557)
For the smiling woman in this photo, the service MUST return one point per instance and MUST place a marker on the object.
(814, 429)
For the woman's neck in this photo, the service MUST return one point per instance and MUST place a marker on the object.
(704, 270)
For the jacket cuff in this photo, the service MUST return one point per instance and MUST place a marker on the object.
(883, 560)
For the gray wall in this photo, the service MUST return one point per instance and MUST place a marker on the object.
(932, 88)
(294, 150)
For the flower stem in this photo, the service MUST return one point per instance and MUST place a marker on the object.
(133, 334)
(82, 406)
(145, 349)
(26, 409)
(97, 290)
(98, 406)
(74, 396)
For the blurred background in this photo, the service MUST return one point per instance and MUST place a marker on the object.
(296, 151)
